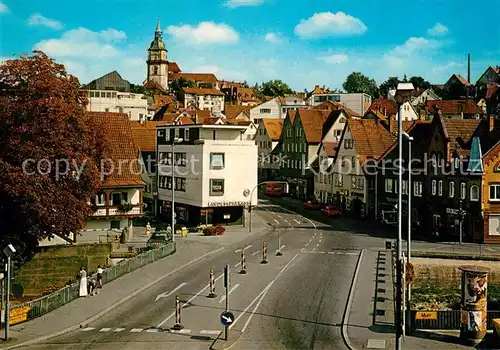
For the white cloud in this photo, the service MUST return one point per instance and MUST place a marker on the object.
(334, 59)
(414, 45)
(221, 73)
(438, 30)
(274, 38)
(82, 42)
(37, 19)
(447, 67)
(204, 33)
(3, 8)
(325, 24)
(241, 3)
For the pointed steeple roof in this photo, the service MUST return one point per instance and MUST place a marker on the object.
(157, 44)
(158, 28)
(475, 157)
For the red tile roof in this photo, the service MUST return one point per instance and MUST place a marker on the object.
(273, 128)
(453, 107)
(199, 91)
(123, 154)
(144, 135)
(330, 148)
(197, 77)
(232, 111)
(312, 121)
(461, 79)
(384, 106)
(460, 132)
(335, 106)
(371, 138)
(154, 86)
(173, 67)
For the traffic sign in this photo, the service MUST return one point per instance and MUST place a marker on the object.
(226, 318)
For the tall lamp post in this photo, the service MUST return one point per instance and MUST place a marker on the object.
(174, 141)
(408, 242)
(251, 196)
(403, 94)
(8, 251)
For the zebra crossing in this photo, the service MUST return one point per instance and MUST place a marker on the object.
(315, 251)
(149, 330)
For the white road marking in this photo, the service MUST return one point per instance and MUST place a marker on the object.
(238, 264)
(297, 221)
(165, 295)
(136, 330)
(118, 330)
(187, 302)
(288, 222)
(283, 246)
(261, 296)
(152, 330)
(320, 240)
(321, 252)
(257, 252)
(182, 331)
(331, 252)
(105, 329)
(351, 253)
(210, 332)
(307, 244)
(310, 240)
(317, 245)
(247, 247)
(237, 250)
(276, 221)
(230, 291)
(88, 329)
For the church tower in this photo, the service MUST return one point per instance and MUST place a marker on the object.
(157, 60)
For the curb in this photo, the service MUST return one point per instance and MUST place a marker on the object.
(111, 307)
(345, 319)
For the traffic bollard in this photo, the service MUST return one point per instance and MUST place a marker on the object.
(278, 252)
(264, 253)
(212, 285)
(243, 263)
(178, 325)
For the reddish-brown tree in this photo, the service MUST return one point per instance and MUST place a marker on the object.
(50, 152)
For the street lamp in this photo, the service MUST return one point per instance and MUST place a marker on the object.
(174, 141)
(408, 242)
(403, 94)
(8, 251)
(251, 196)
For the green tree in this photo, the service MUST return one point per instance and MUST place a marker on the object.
(177, 85)
(357, 82)
(137, 89)
(275, 88)
(49, 152)
(245, 84)
(420, 83)
(389, 84)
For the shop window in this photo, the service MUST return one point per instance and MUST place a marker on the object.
(216, 187)
(388, 185)
(463, 190)
(440, 187)
(404, 185)
(417, 189)
(451, 189)
(433, 187)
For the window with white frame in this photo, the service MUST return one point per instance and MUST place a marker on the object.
(440, 188)
(474, 193)
(495, 192)
(339, 181)
(451, 189)
(433, 187)
(463, 190)
(417, 189)
(388, 185)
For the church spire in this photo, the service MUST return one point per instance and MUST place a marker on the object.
(158, 29)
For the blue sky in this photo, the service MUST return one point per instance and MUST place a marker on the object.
(303, 42)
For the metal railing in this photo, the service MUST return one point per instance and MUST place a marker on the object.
(52, 301)
(446, 319)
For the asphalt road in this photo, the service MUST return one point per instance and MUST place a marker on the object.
(295, 301)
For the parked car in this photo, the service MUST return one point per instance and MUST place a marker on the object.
(159, 239)
(331, 210)
(312, 204)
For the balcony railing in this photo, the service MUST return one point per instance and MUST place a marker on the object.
(114, 210)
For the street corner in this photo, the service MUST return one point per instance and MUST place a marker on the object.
(232, 338)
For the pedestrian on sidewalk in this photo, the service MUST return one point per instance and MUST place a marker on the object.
(83, 282)
(91, 287)
(148, 229)
(99, 276)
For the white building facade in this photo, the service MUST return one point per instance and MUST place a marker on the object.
(357, 102)
(215, 173)
(134, 105)
(205, 99)
(268, 110)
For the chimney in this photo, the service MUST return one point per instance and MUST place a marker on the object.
(422, 114)
(468, 68)
(196, 118)
(491, 119)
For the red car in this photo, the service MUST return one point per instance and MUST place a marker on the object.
(331, 210)
(311, 205)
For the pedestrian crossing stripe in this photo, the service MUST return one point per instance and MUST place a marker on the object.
(136, 330)
(149, 330)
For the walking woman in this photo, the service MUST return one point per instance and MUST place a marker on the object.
(99, 276)
(83, 282)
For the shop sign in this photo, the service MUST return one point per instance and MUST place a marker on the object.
(227, 216)
(228, 204)
(451, 211)
(426, 315)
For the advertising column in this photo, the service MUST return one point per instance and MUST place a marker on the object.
(474, 303)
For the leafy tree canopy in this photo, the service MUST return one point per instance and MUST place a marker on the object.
(274, 88)
(50, 152)
(177, 85)
(357, 82)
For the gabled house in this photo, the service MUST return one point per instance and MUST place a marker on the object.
(335, 106)
(408, 110)
(361, 143)
(237, 112)
(205, 99)
(424, 96)
(267, 138)
(298, 147)
(455, 109)
(457, 88)
(120, 198)
(382, 109)
(490, 75)
(291, 103)
(271, 109)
